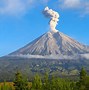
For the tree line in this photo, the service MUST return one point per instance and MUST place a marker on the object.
(54, 83)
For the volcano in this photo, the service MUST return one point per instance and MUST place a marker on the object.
(53, 52)
(52, 44)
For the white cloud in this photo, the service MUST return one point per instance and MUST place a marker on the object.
(12, 7)
(81, 5)
(71, 3)
(15, 7)
(86, 9)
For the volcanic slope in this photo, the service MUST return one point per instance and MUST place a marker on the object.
(53, 43)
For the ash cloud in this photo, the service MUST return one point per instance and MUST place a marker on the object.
(54, 18)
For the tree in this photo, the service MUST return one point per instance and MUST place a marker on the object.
(83, 73)
(83, 79)
(37, 83)
(87, 82)
(46, 83)
(20, 82)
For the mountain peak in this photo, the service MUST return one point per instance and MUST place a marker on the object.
(53, 43)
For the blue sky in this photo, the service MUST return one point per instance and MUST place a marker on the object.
(21, 21)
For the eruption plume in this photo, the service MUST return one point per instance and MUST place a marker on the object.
(54, 16)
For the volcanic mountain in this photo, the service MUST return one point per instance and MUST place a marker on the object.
(53, 51)
(52, 44)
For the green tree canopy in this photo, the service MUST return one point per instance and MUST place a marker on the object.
(20, 82)
(37, 82)
(83, 73)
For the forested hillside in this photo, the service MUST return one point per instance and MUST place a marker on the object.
(46, 83)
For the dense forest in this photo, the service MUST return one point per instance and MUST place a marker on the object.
(46, 83)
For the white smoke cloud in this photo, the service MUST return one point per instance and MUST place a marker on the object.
(54, 16)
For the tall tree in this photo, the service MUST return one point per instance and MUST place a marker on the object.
(37, 83)
(20, 82)
(82, 82)
(46, 83)
(83, 73)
